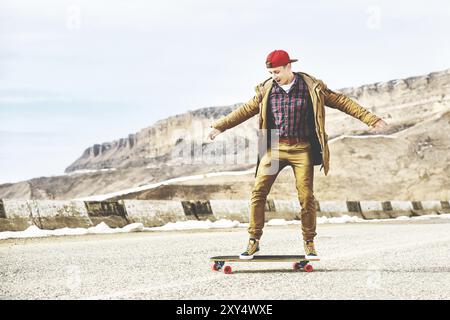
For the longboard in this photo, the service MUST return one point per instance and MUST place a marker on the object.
(299, 261)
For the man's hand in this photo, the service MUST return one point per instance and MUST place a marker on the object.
(214, 133)
(380, 126)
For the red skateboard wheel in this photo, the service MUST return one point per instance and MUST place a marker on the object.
(295, 266)
(308, 268)
(227, 270)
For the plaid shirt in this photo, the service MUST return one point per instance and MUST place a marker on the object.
(292, 113)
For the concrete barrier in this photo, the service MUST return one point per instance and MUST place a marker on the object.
(400, 209)
(336, 209)
(445, 205)
(331, 209)
(55, 214)
(154, 213)
(16, 215)
(431, 207)
(434, 206)
(354, 209)
(231, 209)
(373, 210)
(418, 209)
(199, 210)
(110, 212)
(288, 209)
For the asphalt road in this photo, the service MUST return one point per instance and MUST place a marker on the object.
(395, 260)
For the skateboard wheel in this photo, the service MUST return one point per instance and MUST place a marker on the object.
(217, 266)
(308, 268)
(227, 270)
(296, 266)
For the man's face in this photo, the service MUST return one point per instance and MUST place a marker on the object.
(282, 74)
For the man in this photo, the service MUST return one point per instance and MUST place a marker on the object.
(292, 132)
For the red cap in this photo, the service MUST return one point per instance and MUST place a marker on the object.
(278, 58)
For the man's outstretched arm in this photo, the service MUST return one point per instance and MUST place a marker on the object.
(345, 104)
(241, 114)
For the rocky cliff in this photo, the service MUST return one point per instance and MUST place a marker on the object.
(153, 145)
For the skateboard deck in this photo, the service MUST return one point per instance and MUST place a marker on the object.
(299, 261)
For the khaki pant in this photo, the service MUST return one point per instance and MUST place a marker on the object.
(298, 156)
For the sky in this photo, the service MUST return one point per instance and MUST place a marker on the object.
(74, 73)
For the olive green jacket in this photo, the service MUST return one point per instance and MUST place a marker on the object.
(320, 96)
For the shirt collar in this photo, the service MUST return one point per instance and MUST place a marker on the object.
(294, 85)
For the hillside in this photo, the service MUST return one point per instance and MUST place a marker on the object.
(409, 162)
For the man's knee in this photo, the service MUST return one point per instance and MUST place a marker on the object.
(307, 201)
(305, 195)
(261, 186)
(259, 195)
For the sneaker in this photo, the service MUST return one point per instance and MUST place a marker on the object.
(252, 249)
(310, 251)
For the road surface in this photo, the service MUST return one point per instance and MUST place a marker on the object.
(388, 260)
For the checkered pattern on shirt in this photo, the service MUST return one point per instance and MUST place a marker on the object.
(292, 112)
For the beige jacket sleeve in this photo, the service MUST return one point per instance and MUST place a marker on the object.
(241, 114)
(345, 104)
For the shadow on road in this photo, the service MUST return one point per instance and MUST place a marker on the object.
(321, 270)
